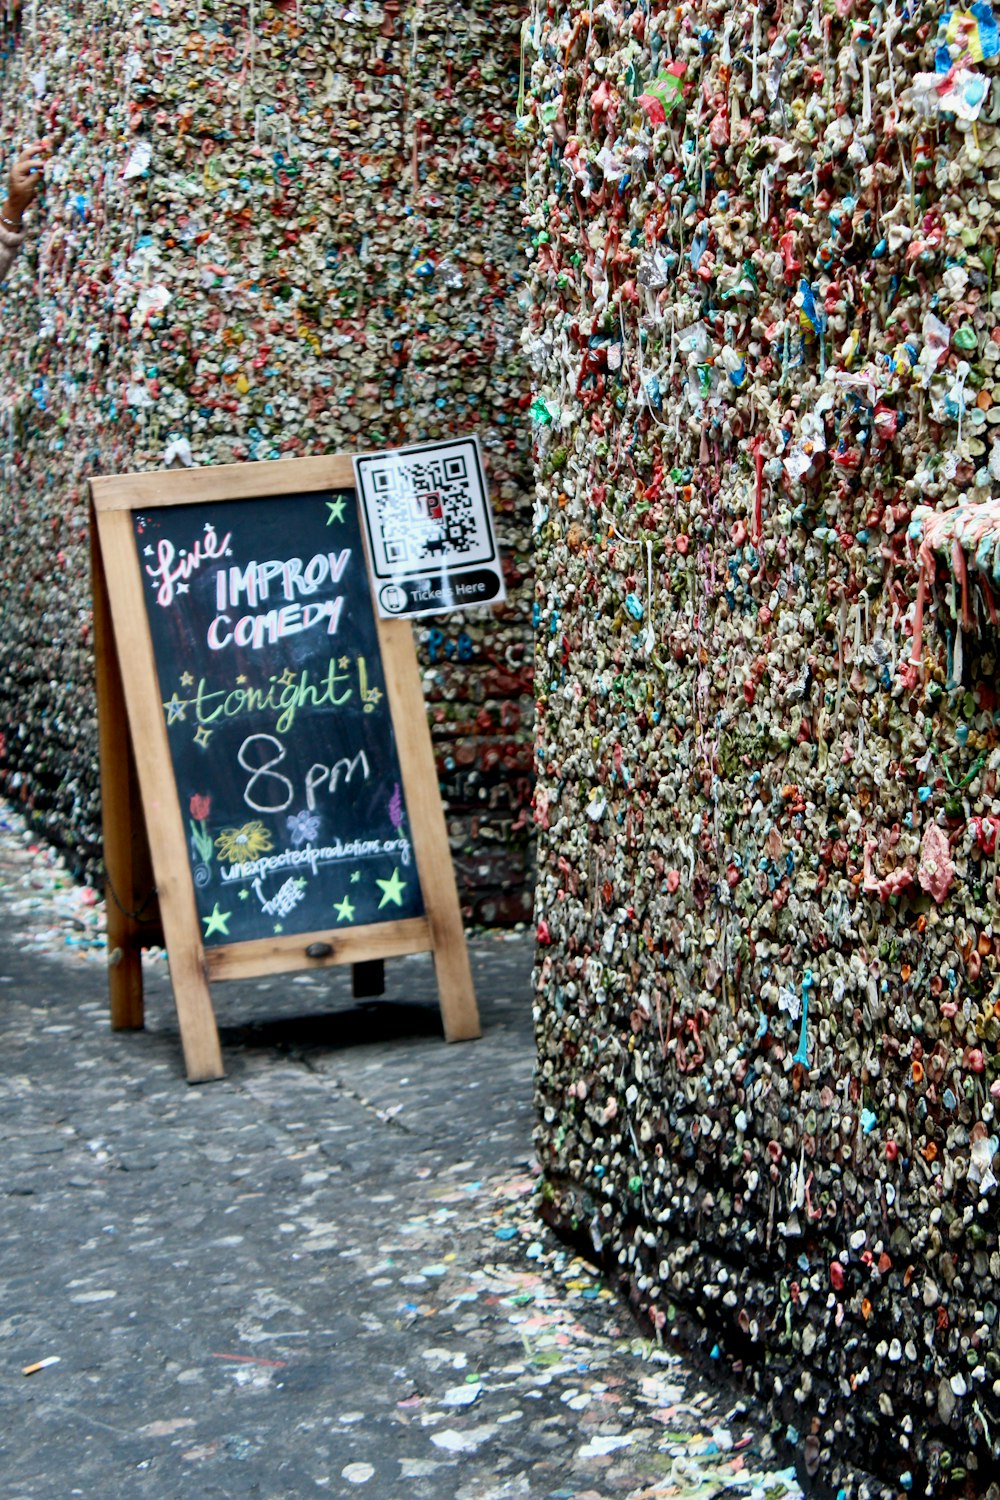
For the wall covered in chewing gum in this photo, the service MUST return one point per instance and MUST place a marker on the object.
(762, 339)
(765, 336)
(269, 228)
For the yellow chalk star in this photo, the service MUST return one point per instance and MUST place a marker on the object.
(287, 677)
(202, 736)
(186, 679)
(175, 709)
(218, 921)
(344, 910)
(392, 890)
(336, 509)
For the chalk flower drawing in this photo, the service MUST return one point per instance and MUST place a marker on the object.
(238, 844)
(396, 808)
(302, 828)
(201, 839)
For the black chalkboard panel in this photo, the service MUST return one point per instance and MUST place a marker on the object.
(277, 720)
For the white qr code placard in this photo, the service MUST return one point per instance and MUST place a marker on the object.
(430, 530)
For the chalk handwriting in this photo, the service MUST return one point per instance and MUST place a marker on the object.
(274, 625)
(265, 780)
(283, 696)
(292, 578)
(287, 898)
(314, 858)
(173, 568)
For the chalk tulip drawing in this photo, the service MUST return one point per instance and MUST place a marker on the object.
(276, 715)
(202, 846)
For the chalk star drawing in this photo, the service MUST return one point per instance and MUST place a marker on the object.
(183, 588)
(175, 709)
(287, 677)
(278, 928)
(244, 895)
(186, 679)
(344, 910)
(373, 695)
(147, 552)
(336, 509)
(392, 890)
(217, 921)
(202, 736)
(242, 678)
(355, 877)
(344, 663)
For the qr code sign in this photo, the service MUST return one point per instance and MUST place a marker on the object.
(427, 509)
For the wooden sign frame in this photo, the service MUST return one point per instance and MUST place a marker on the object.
(150, 886)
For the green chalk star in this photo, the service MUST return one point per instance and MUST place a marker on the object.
(217, 922)
(392, 890)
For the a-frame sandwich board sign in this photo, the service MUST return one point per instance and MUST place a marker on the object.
(270, 798)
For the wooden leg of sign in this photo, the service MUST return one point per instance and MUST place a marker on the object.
(115, 551)
(199, 1033)
(430, 835)
(459, 1011)
(368, 979)
(119, 807)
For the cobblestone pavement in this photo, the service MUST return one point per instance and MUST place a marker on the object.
(323, 1275)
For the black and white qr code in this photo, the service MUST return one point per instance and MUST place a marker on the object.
(428, 509)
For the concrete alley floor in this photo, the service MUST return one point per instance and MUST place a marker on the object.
(321, 1276)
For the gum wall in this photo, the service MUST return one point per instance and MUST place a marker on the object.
(765, 342)
(269, 229)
